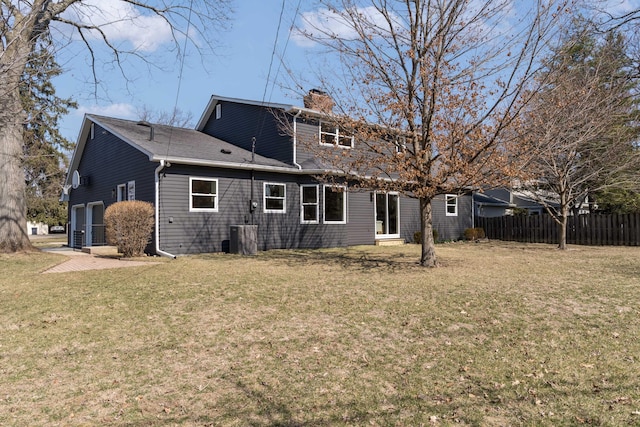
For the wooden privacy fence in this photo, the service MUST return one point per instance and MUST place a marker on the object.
(614, 229)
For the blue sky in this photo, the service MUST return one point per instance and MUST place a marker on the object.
(239, 68)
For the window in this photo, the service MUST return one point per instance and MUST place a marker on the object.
(122, 192)
(92, 131)
(335, 205)
(275, 197)
(218, 111)
(309, 204)
(331, 135)
(131, 190)
(203, 194)
(451, 204)
(399, 142)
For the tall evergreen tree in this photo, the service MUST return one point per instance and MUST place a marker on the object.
(44, 148)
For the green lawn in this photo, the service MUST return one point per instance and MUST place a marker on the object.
(501, 334)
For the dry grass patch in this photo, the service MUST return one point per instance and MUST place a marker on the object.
(502, 334)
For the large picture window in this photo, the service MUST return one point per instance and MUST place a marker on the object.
(335, 205)
(203, 194)
(451, 204)
(309, 204)
(331, 134)
(275, 197)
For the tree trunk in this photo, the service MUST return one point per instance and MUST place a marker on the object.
(13, 205)
(428, 256)
(562, 234)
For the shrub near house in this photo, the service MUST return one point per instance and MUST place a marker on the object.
(129, 226)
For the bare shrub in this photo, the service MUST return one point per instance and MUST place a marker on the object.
(129, 225)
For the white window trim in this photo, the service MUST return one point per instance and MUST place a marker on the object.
(131, 190)
(375, 203)
(448, 197)
(120, 191)
(316, 204)
(336, 136)
(324, 204)
(92, 131)
(264, 198)
(218, 111)
(191, 194)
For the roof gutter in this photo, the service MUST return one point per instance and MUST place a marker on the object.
(231, 165)
(157, 221)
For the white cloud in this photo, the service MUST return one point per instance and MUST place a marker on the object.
(120, 110)
(121, 21)
(326, 23)
(620, 7)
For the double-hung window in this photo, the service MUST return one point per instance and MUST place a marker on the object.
(335, 205)
(451, 204)
(309, 204)
(275, 197)
(330, 134)
(203, 194)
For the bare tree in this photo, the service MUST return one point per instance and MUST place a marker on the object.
(23, 23)
(177, 118)
(443, 83)
(583, 125)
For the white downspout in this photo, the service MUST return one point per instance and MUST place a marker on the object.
(295, 139)
(157, 222)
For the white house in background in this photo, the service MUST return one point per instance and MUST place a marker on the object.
(37, 228)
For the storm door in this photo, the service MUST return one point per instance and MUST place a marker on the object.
(95, 224)
(77, 226)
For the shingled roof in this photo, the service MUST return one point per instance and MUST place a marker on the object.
(180, 145)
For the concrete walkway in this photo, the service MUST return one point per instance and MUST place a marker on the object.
(81, 261)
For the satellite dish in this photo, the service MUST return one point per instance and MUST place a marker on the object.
(75, 179)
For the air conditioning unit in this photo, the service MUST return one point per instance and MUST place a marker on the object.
(243, 239)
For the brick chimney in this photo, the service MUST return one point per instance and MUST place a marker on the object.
(318, 100)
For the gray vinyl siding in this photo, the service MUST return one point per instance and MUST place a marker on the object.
(185, 232)
(452, 227)
(107, 162)
(307, 137)
(240, 123)
(361, 224)
(409, 218)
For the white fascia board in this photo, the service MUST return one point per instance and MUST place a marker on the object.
(241, 166)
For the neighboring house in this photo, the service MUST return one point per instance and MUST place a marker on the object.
(487, 206)
(504, 201)
(37, 228)
(236, 168)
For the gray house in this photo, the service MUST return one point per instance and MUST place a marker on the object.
(236, 168)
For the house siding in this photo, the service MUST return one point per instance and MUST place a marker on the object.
(240, 123)
(307, 133)
(185, 232)
(452, 227)
(409, 218)
(107, 162)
